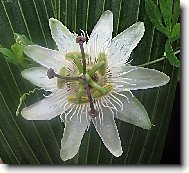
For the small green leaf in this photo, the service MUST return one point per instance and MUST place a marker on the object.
(166, 10)
(170, 55)
(16, 54)
(175, 33)
(9, 56)
(18, 48)
(155, 16)
(176, 12)
(18, 51)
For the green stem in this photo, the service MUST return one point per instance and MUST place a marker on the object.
(23, 97)
(79, 93)
(78, 64)
(95, 68)
(152, 62)
(96, 86)
(157, 60)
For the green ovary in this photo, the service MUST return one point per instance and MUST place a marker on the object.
(95, 77)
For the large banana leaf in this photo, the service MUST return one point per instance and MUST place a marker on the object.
(31, 142)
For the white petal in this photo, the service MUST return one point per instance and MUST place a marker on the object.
(65, 40)
(47, 108)
(73, 134)
(108, 132)
(134, 78)
(38, 76)
(46, 57)
(124, 43)
(101, 35)
(133, 111)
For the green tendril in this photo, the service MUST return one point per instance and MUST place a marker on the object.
(23, 97)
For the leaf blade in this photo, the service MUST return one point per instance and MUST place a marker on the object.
(166, 10)
(175, 33)
(170, 55)
(155, 16)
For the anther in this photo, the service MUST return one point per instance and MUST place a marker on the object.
(51, 73)
(80, 39)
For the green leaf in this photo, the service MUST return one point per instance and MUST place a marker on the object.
(9, 56)
(166, 10)
(38, 142)
(175, 33)
(18, 49)
(176, 12)
(170, 55)
(16, 56)
(155, 16)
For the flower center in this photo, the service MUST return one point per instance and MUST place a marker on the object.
(95, 76)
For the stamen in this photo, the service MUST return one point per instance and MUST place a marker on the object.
(93, 113)
(51, 74)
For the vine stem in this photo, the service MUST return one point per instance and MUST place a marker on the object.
(157, 60)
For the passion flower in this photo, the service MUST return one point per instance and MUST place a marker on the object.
(90, 81)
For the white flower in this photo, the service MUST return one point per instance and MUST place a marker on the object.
(111, 81)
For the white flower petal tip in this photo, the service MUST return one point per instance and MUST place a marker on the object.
(65, 40)
(136, 30)
(101, 35)
(133, 111)
(160, 78)
(118, 153)
(65, 155)
(29, 115)
(123, 44)
(51, 20)
(38, 76)
(134, 78)
(26, 114)
(107, 13)
(54, 24)
(165, 78)
(139, 26)
(108, 132)
(146, 125)
(45, 109)
(74, 131)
